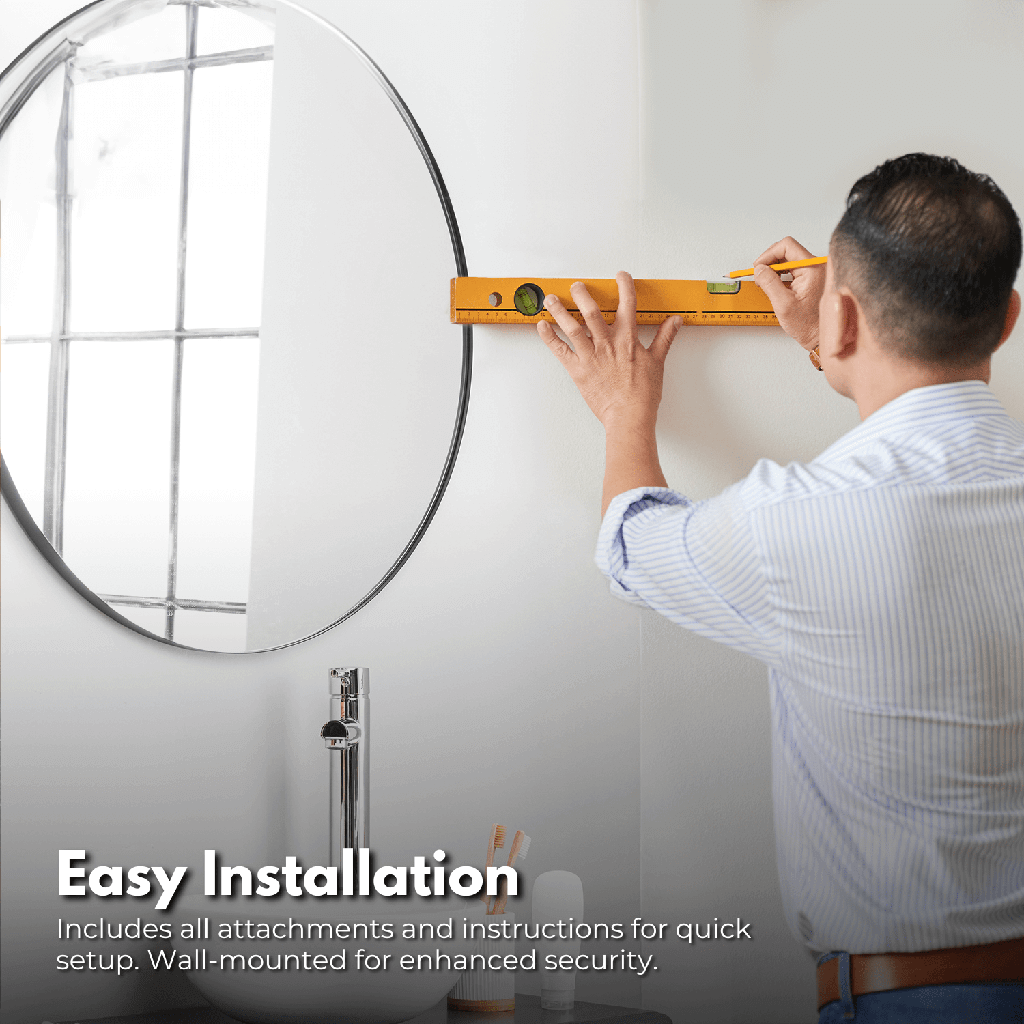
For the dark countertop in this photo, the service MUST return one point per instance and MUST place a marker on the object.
(527, 1011)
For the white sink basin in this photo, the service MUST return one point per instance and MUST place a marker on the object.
(353, 995)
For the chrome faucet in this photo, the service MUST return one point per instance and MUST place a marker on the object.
(347, 737)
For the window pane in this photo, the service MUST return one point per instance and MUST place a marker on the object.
(23, 382)
(28, 220)
(209, 631)
(218, 457)
(221, 30)
(147, 37)
(124, 225)
(118, 466)
(227, 195)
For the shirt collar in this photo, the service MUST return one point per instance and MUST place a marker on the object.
(917, 410)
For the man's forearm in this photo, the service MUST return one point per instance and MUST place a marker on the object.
(618, 378)
(631, 459)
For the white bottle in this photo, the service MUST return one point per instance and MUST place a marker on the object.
(557, 896)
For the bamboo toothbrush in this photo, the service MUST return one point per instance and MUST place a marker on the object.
(497, 841)
(520, 847)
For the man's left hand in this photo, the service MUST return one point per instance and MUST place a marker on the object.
(618, 378)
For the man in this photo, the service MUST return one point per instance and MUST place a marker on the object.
(882, 583)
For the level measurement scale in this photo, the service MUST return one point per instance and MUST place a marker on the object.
(504, 301)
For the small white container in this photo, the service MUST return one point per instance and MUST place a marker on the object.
(558, 992)
(487, 991)
(557, 896)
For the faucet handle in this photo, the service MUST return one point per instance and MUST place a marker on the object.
(340, 735)
(349, 682)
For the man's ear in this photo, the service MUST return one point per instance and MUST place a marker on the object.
(848, 321)
(1012, 312)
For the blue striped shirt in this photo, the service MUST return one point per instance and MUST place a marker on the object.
(883, 585)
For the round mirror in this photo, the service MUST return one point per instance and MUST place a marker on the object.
(229, 377)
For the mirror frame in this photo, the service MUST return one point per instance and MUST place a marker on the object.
(7, 487)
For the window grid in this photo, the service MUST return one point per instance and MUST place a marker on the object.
(61, 337)
(191, 26)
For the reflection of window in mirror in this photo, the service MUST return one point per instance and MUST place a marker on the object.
(131, 324)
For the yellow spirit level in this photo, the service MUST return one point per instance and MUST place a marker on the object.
(516, 300)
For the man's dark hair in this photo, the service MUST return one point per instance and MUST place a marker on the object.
(931, 251)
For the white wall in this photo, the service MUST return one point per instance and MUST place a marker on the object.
(672, 139)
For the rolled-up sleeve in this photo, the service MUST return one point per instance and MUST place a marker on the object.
(696, 563)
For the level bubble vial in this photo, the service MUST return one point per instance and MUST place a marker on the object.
(723, 287)
(529, 299)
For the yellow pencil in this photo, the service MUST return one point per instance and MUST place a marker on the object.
(814, 261)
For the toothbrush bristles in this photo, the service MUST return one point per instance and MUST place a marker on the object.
(524, 847)
(499, 837)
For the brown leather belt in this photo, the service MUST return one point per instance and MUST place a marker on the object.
(884, 972)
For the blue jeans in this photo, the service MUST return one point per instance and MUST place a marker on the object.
(983, 1003)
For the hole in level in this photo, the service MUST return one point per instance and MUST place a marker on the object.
(494, 298)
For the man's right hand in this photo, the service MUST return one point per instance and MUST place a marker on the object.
(795, 305)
